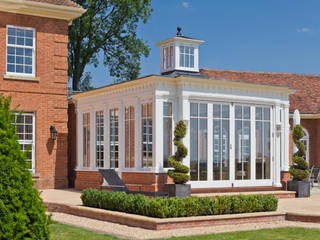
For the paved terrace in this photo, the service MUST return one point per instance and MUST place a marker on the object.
(306, 206)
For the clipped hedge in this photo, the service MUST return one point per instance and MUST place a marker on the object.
(177, 207)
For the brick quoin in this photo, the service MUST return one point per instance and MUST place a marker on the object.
(47, 98)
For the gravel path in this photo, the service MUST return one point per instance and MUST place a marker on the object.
(127, 232)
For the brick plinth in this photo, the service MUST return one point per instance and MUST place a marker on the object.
(46, 96)
(88, 179)
(148, 182)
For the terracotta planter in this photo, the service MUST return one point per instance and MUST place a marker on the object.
(302, 188)
(178, 190)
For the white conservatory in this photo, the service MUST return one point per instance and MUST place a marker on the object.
(237, 132)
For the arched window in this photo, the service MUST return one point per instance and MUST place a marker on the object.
(305, 141)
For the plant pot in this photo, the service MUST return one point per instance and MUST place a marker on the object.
(302, 188)
(178, 190)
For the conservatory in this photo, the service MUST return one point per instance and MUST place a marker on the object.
(237, 132)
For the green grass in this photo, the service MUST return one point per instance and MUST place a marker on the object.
(66, 232)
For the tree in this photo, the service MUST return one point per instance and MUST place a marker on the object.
(299, 169)
(180, 172)
(22, 214)
(109, 28)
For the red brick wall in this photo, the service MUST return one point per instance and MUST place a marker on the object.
(46, 97)
(88, 179)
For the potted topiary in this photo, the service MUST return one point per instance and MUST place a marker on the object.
(180, 173)
(299, 169)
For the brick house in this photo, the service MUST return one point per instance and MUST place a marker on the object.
(33, 70)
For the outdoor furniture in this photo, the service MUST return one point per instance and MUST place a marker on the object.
(117, 185)
(314, 175)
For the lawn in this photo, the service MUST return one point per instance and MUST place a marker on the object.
(66, 232)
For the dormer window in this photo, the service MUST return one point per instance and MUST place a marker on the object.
(20, 51)
(186, 57)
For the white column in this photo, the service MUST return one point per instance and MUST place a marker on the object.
(79, 140)
(92, 139)
(185, 112)
(210, 142)
(252, 143)
(232, 145)
(157, 134)
(137, 135)
(106, 137)
(286, 160)
(277, 148)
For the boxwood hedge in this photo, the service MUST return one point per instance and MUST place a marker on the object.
(177, 207)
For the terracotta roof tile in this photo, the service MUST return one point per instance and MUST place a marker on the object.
(306, 99)
(67, 3)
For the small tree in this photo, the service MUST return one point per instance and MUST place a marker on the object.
(22, 214)
(180, 172)
(299, 169)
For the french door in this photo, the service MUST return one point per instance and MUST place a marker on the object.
(238, 144)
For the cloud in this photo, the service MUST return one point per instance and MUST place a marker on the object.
(185, 4)
(303, 30)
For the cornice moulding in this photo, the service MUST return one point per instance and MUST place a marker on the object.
(41, 9)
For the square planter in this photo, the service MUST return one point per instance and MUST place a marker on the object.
(178, 190)
(302, 188)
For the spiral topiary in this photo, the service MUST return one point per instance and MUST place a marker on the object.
(180, 172)
(299, 169)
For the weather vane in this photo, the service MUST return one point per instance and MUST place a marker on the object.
(179, 34)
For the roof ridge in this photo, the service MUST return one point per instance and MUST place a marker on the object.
(258, 72)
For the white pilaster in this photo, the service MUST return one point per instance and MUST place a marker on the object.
(79, 140)
(252, 143)
(137, 135)
(106, 137)
(92, 139)
(157, 134)
(210, 142)
(185, 112)
(286, 160)
(277, 148)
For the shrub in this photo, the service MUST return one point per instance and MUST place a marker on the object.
(299, 169)
(22, 214)
(177, 207)
(180, 172)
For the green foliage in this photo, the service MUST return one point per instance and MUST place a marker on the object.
(22, 214)
(108, 28)
(177, 207)
(299, 169)
(180, 172)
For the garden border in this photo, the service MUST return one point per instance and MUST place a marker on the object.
(164, 223)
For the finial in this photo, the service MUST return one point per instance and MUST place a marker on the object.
(179, 34)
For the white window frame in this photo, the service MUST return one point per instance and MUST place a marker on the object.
(172, 132)
(114, 143)
(99, 143)
(33, 74)
(149, 160)
(30, 142)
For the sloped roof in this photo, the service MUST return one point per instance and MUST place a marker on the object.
(306, 99)
(67, 3)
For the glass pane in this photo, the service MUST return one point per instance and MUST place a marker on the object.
(10, 68)
(192, 50)
(225, 150)
(191, 61)
(167, 140)
(216, 150)
(246, 112)
(216, 110)
(11, 50)
(266, 113)
(186, 60)
(12, 31)
(194, 149)
(238, 112)
(266, 149)
(20, 41)
(259, 148)
(238, 152)
(20, 51)
(225, 111)
(167, 109)
(246, 149)
(11, 40)
(193, 109)
(203, 152)
(203, 110)
(28, 52)
(29, 33)
(258, 113)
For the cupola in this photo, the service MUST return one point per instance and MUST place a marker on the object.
(179, 53)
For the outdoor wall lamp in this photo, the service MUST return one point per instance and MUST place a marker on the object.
(53, 133)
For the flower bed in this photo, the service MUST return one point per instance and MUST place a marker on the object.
(177, 207)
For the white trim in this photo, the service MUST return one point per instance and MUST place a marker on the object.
(306, 138)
